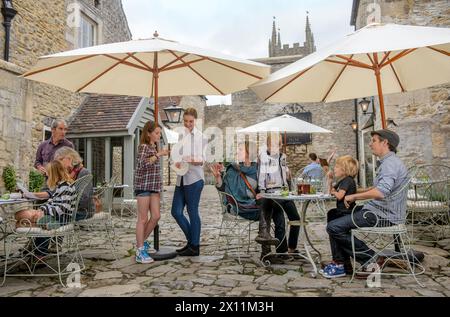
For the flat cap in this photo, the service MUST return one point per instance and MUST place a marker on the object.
(392, 137)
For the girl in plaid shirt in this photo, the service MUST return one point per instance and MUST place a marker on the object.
(147, 188)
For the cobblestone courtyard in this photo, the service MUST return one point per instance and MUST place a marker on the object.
(216, 274)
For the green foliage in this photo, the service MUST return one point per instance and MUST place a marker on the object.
(9, 177)
(36, 181)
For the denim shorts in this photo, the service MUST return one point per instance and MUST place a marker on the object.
(144, 193)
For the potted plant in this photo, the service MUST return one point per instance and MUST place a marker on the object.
(9, 178)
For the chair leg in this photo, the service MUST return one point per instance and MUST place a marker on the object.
(410, 267)
(354, 257)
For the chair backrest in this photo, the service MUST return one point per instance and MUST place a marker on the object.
(80, 185)
(430, 189)
(230, 206)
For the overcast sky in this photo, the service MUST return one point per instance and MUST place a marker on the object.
(238, 27)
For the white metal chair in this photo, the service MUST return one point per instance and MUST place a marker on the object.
(429, 203)
(101, 219)
(388, 238)
(233, 228)
(65, 260)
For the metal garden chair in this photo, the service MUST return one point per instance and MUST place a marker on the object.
(429, 203)
(234, 228)
(101, 220)
(29, 261)
(388, 239)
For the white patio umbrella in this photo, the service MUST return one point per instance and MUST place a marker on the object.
(377, 59)
(151, 68)
(286, 124)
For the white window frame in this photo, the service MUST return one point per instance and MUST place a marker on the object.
(84, 18)
(45, 129)
(83, 11)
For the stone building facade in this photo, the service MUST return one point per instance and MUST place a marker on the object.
(41, 28)
(422, 118)
(247, 109)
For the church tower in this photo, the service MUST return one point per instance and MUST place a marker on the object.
(277, 49)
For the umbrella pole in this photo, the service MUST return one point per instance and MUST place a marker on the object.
(156, 75)
(380, 90)
(155, 114)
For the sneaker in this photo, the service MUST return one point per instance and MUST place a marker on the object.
(142, 256)
(328, 267)
(334, 271)
(147, 246)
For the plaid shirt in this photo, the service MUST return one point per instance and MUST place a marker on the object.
(147, 175)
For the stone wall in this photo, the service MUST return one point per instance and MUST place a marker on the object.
(16, 107)
(423, 116)
(42, 28)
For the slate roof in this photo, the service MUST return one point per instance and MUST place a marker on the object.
(109, 113)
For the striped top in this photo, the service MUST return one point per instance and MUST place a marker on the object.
(61, 202)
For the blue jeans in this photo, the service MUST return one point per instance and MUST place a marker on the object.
(188, 196)
(339, 230)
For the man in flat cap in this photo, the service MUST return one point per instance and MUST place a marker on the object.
(391, 176)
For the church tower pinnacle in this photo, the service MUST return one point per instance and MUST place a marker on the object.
(309, 42)
(273, 40)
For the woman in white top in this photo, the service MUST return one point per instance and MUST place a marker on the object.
(189, 186)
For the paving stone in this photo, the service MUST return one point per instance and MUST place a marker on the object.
(307, 293)
(205, 259)
(271, 294)
(108, 275)
(444, 244)
(13, 285)
(277, 280)
(303, 282)
(401, 292)
(112, 291)
(349, 293)
(120, 264)
(431, 251)
(159, 270)
(136, 268)
(429, 293)
(226, 283)
(244, 278)
(292, 275)
(273, 287)
(203, 281)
